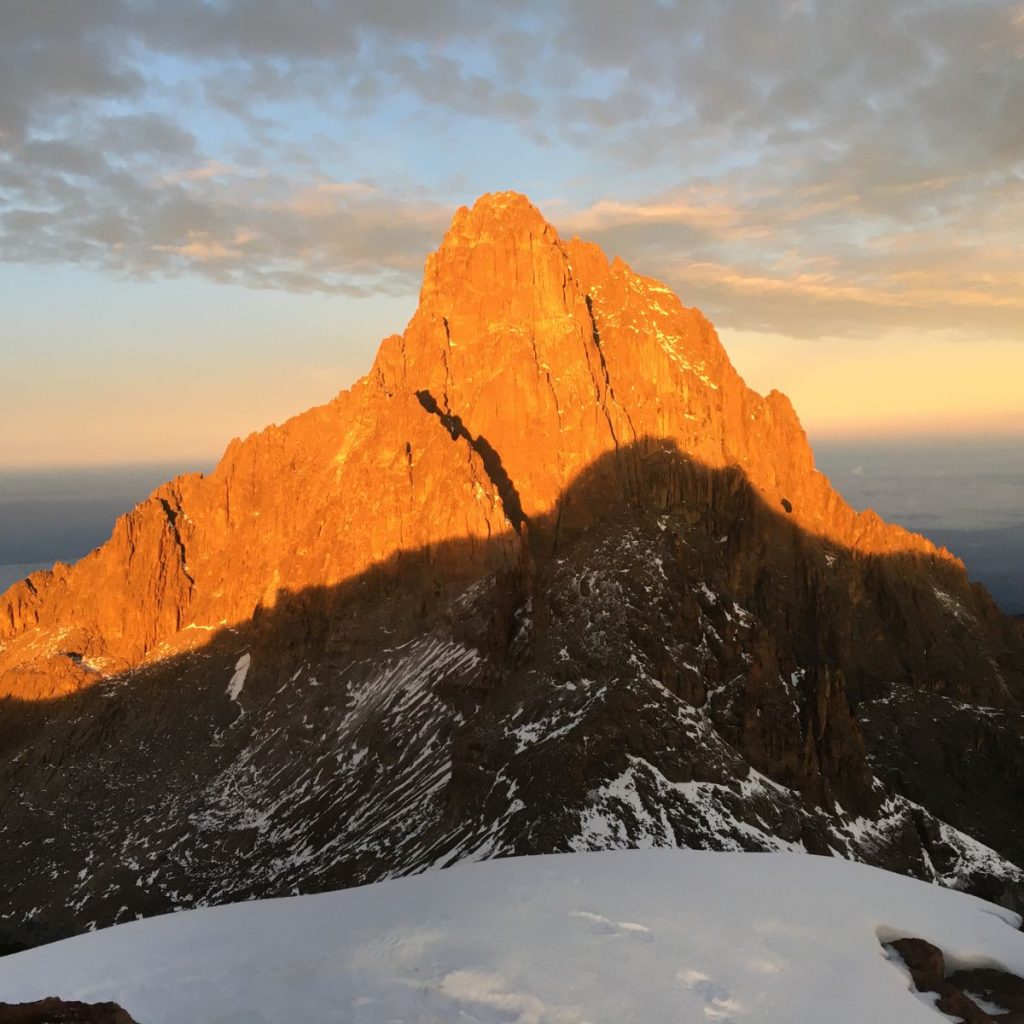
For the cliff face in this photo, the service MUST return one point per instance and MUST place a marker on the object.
(528, 360)
(550, 577)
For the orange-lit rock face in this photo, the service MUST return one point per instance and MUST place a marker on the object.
(527, 360)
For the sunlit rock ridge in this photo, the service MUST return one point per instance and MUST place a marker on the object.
(550, 577)
(540, 347)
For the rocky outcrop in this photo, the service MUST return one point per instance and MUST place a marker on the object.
(979, 995)
(57, 1011)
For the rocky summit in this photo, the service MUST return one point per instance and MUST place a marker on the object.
(550, 577)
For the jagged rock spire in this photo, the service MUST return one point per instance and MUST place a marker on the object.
(529, 359)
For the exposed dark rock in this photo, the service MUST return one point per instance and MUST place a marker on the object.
(57, 1011)
(999, 988)
(962, 994)
(925, 962)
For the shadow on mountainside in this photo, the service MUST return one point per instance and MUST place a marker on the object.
(819, 667)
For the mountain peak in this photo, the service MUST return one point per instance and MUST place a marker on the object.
(501, 245)
(529, 361)
(550, 577)
(500, 213)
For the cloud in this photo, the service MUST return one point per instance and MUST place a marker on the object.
(797, 167)
(212, 169)
(323, 198)
(716, 217)
(204, 248)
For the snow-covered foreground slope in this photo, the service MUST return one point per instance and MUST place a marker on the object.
(626, 936)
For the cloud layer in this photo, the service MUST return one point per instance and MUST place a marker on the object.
(811, 169)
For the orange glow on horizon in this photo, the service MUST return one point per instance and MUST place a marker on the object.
(898, 385)
(148, 409)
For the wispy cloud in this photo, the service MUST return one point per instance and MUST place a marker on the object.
(797, 167)
(212, 169)
(905, 289)
(716, 217)
(202, 247)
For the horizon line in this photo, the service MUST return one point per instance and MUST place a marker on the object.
(821, 434)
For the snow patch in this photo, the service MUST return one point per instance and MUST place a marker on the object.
(238, 679)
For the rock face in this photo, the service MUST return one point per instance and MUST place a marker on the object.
(549, 577)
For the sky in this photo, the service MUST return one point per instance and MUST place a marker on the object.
(211, 213)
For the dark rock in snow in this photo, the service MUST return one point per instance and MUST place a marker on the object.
(57, 1011)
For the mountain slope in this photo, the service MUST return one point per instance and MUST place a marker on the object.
(550, 577)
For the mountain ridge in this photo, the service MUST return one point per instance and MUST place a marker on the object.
(548, 578)
(503, 266)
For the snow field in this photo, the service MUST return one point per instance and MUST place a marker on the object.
(626, 936)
